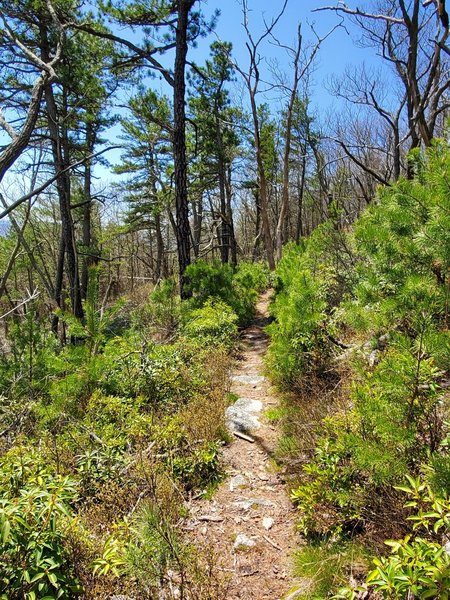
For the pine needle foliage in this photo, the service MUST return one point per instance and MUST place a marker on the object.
(388, 323)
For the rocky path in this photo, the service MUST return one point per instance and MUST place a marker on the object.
(250, 520)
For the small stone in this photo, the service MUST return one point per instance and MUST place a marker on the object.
(238, 482)
(243, 542)
(373, 358)
(248, 379)
(267, 523)
(253, 503)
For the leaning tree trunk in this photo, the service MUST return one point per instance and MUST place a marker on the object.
(299, 232)
(282, 218)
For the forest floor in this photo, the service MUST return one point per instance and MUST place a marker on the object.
(250, 521)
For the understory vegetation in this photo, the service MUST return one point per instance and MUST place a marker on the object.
(155, 177)
(105, 438)
(360, 349)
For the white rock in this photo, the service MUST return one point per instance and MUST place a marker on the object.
(242, 542)
(242, 415)
(248, 379)
(237, 482)
(447, 547)
(267, 523)
(251, 502)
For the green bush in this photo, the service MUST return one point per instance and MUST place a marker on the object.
(35, 514)
(332, 495)
(214, 323)
(162, 313)
(24, 370)
(419, 564)
(386, 321)
(299, 338)
(254, 276)
(326, 567)
(239, 290)
(403, 244)
(392, 428)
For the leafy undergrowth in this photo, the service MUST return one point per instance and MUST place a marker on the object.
(104, 440)
(361, 349)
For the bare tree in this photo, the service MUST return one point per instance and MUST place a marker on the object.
(252, 80)
(405, 36)
(300, 71)
(376, 102)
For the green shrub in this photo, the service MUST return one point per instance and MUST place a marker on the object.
(332, 494)
(254, 276)
(322, 568)
(35, 514)
(209, 280)
(162, 313)
(392, 428)
(214, 323)
(299, 338)
(158, 547)
(419, 565)
(403, 244)
(239, 290)
(199, 467)
(24, 370)
(394, 311)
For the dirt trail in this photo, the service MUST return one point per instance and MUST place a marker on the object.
(250, 520)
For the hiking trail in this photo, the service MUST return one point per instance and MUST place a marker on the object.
(250, 521)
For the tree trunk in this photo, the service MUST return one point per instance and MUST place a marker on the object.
(59, 277)
(255, 252)
(60, 151)
(179, 145)
(262, 184)
(232, 237)
(281, 224)
(159, 270)
(90, 258)
(224, 226)
(301, 191)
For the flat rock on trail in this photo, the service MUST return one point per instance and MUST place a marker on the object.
(250, 522)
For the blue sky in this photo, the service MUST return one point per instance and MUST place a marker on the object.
(337, 52)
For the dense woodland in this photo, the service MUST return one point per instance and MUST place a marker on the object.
(121, 303)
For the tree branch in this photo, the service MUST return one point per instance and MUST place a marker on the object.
(45, 185)
(359, 13)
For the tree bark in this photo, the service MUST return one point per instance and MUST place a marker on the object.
(262, 182)
(232, 238)
(301, 191)
(287, 153)
(179, 145)
(89, 259)
(60, 151)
